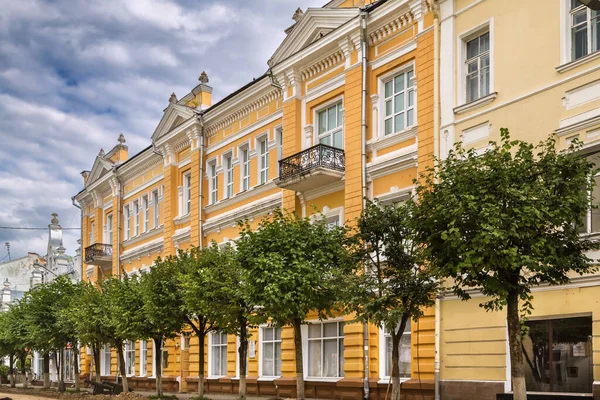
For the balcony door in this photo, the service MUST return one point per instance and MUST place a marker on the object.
(329, 122)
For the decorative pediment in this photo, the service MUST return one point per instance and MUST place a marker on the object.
(174, 115)
(313, 24)
(101, 167)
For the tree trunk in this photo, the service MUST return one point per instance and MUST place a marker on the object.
(76, 366)
(158, 372)
(201, 339)
(96, 355)
(515, 340)
(122, 367)
(23, 362)
(61, 371)
(297, 325)
(396, 334)
(11, 370)
(46, 372)
(243, 350)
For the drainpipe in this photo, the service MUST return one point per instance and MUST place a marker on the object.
(435, 8)
(80, 234)
(363, 44)
(119, 212)
(200, 117)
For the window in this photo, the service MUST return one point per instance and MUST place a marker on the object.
(326, 349)
(109, 227)
(145, 204)
(585, 30)
(187, 193)
(129, 358)
(279, 142)
(105, 361)
(91, 238)
(405, 355)
(245, 157)
(228, 177)
(591, 220)
(263, 166)
(558, 355)
(143, 357)
(214, 183)
(218, 354)
(330, 126)
(399, 103)
(127, 223)
(477, 67)
(136, 216)
(155, 200)
(271, 352)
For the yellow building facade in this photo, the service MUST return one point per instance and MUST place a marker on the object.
(532, 67)
(346, 110)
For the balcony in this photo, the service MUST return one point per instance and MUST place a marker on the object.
(99, 254)
(314, 167)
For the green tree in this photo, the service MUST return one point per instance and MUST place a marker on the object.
(124, 320)
(198, 305)
(292, 266)
(162, 308)
(505, 221)
(388, 289)
(88, 316)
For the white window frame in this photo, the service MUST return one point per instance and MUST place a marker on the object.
(263, 158)
(187, 193)
(128, 351)
(127, 218)
(146, 207)
(92, 228)
(211, 354)
(383, 335)
(228, 175)
(385, 78)
(156, 210)
(463, 38)
(109, 229)
(261, 342)
(338, 101)
(279, 144)
(106, 351)
(213, 182)
(244, 158)
(143, 357)
(136, 216)
(305, 350)
(566, 24)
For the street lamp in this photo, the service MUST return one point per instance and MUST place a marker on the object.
(593, 4)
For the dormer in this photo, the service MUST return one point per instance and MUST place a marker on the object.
(174, 115)
(311, 26)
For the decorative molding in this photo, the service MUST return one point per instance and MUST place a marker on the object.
(182, 219)
(387, 30)
(325, 63)
(324, 190)
(390, 140)
(251, 210)
(579, 125)
(242, 196)
(482, 101)
(143, 236)
(181, 236)
(243, 111)
(146, 249)
(135, 191)
(396, 194)
(574, 64)
(143, 162)
(395, 161)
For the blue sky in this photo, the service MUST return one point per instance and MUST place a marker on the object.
(74, 74)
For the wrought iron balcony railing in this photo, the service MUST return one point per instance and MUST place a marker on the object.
(98, 251)
(320, 155)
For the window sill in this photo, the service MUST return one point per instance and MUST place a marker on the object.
(313, 379)
(135, 239)
(253, 191)
(482, 101)
(386, 141)
(182, 219)
(386, 379)
(268, 378)
(215, 377)
(574, 64)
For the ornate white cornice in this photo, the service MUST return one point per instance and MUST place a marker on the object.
(142, 163)
(326, 63)
(181, 236)
(146, 249)
(387, 30)
(242, 111)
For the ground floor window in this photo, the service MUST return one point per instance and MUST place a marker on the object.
(558, 355)
(143, 357)
(404, 362)
(271, 352)
(218, 354)
(129, 358)
(326, 349)
(105, 361)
